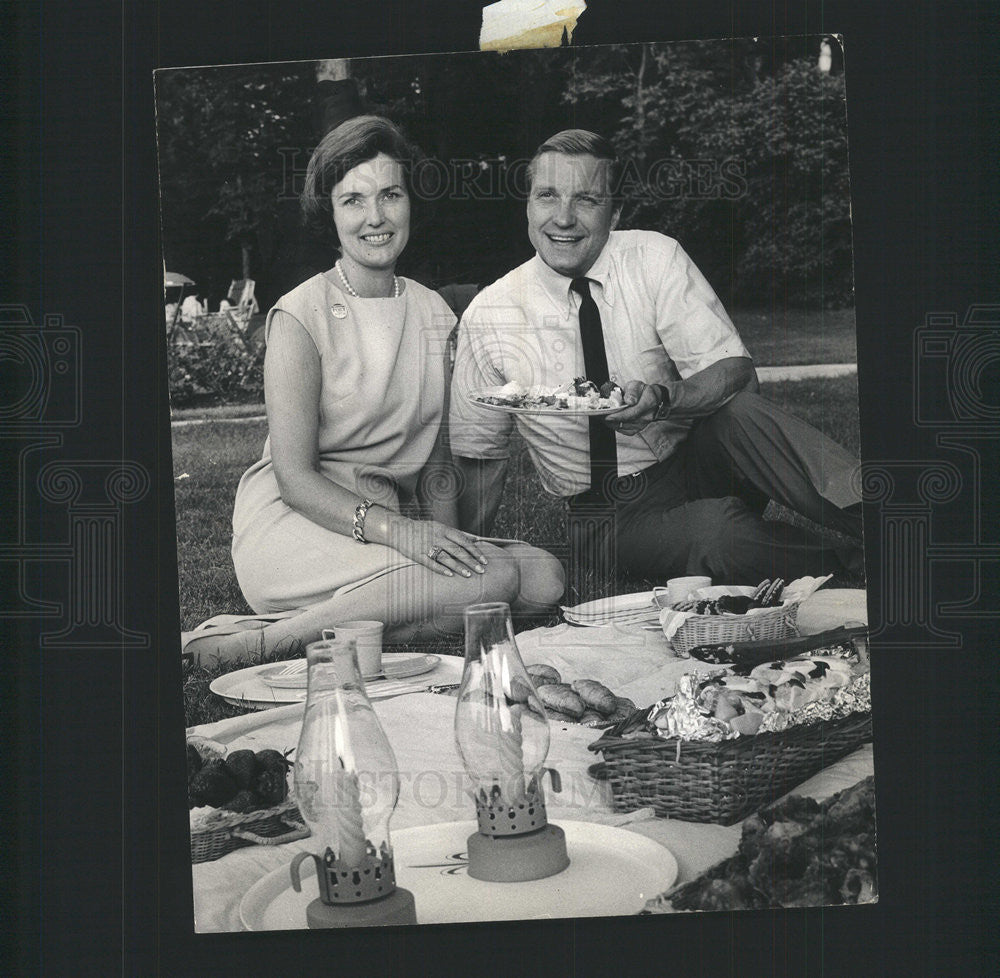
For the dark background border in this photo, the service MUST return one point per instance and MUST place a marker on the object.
(100, 860)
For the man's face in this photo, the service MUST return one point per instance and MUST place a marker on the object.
(570, 211)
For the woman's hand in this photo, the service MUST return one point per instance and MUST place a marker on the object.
(437, 546)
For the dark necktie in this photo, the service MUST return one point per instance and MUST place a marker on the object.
(603, 449)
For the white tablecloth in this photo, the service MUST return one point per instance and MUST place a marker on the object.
(630, 661)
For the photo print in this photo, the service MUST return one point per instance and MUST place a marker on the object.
(565, 337)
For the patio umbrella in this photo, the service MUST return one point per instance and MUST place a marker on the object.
(174, 280)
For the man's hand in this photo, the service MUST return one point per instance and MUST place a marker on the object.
(643, 405)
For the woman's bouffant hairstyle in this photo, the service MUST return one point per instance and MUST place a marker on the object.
(353, 142)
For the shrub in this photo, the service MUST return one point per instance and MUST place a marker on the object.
(219, 370)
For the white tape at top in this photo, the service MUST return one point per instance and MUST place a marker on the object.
(518, 24)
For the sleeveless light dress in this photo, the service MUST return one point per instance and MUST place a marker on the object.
(384, 376)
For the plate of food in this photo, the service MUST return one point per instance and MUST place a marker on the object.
(579, 397)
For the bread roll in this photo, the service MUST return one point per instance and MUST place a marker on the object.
(557, 716)
(560, 696)
(542, 675)
(595, 695)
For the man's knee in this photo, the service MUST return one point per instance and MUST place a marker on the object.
(713, 529)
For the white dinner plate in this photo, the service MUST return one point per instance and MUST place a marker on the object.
(611, 872)
(566, 412)
(392, 668)
(246, 688)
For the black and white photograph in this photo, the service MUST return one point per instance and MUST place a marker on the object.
(500, 488)
(531, 380)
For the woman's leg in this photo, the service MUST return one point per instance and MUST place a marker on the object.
(541, 581)
(412, 601)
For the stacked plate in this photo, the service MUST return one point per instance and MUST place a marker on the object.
(622, 609)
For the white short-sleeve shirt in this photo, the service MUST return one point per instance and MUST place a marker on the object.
(661, 322)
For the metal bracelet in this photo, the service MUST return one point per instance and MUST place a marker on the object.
(360, 513)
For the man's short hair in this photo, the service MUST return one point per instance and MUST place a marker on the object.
(350, 144)
(583, 142)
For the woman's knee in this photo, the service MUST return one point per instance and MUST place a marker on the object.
(501, 580)
(542, 577)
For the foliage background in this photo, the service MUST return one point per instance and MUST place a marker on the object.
(738, 148)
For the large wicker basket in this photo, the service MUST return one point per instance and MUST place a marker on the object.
(227, 831)
(723, 629)
(722, 782)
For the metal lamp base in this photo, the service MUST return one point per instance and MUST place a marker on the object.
(517, 858)
(396, 908)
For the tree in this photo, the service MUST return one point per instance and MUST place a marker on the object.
(739, 152)
(227, 137)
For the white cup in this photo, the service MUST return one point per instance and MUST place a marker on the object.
(680, 588)
(367, 636)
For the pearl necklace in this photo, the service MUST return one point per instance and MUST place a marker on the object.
(350, 288)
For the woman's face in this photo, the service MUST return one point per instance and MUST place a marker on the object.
(371, 210)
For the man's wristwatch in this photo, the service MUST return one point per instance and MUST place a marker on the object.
(663, 409)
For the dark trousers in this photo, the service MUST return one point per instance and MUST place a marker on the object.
(701, 510)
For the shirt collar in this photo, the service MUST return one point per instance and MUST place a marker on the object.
(556, 286)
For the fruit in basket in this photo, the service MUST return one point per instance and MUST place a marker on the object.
(243, 766)
(268, 759)
(245, 800)
(213, 785)
(272, 785)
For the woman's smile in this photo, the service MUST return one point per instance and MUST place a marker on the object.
(371, 210)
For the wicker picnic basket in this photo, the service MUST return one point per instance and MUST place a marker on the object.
(762, 625)
(224, 832)
(723, 782)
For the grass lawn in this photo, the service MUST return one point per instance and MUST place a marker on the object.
(794, 336)
(209, 459)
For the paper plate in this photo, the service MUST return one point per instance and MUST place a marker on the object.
(246, 688)
(612, 872)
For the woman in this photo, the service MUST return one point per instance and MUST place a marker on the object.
(355, 382)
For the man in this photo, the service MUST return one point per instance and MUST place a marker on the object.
(686, 469)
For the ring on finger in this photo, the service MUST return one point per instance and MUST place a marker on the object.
(435, 552)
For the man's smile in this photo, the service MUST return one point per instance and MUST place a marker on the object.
(564, 238)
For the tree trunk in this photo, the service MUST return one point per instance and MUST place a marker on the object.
(245, 248)
(640, 105)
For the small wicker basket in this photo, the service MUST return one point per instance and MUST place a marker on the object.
(722, 782)
(762, 625)
(224, 832)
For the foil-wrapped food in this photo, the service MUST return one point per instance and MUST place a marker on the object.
(774, 696)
